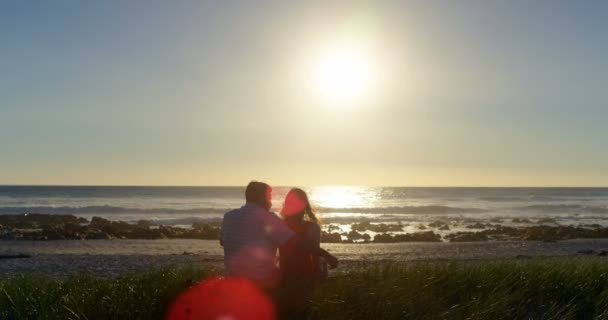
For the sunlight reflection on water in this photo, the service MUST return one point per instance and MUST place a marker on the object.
(343, 197)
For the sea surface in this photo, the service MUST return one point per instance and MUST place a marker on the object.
(415, 208)
(411, 206)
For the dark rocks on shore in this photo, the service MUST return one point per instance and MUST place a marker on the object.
(39, 220)
(441, 225)
(547, 220)
(355, 236)
(466, 237)
(380, 227)
(68, 227)
(536, 233)
(331, 237)
(331, 227)
(436, 224)
(476, 226)
(427, 236)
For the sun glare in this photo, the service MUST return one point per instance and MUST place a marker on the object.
(341, 196)
(343, 75)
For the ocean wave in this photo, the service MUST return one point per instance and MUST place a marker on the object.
(554, 208)
(105, 209)
(427, 209)
(531, 198)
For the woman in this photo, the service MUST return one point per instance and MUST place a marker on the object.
(299, 269)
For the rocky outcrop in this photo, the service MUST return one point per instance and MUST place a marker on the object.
(331, 237)
(376, 227)
(466, 237)
(67, 227)
(427, 236)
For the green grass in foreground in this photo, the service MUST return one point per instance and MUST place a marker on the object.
(552, 288)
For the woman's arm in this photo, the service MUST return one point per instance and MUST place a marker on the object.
(314, 233)
(315, 249)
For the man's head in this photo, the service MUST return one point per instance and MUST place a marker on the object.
(259, 193)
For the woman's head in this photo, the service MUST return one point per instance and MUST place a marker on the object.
(297, 206)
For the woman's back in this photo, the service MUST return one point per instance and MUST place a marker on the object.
(296, 260)
(298, 268)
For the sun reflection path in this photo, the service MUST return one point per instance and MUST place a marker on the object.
(343, 197)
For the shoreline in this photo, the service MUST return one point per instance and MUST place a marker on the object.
(53, 227)
(116, 257)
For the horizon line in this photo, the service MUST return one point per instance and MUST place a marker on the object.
(321, 185)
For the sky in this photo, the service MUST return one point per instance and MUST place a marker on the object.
(449, 93)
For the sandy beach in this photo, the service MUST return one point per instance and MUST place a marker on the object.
(116, 257)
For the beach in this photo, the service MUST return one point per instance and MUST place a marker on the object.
(153, 227)
(119, 257)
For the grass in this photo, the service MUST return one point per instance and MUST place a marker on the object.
(549, 288)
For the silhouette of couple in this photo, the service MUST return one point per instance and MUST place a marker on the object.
(251, 236)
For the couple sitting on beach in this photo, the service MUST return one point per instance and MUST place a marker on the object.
(251, 235)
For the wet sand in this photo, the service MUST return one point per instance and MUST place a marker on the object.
(115, 257)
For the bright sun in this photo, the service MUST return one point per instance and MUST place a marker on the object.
(343, 75)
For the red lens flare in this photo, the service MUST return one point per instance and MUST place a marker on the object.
(222, 299)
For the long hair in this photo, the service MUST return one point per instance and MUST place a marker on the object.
(308, 213)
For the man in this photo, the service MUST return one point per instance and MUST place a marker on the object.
(251, 235)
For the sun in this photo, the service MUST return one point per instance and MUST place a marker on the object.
(343, 74)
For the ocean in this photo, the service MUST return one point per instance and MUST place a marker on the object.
(340, 204)
(415, 208)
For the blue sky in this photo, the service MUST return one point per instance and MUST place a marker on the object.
(208, 93)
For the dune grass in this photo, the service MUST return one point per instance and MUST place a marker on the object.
(549, 288)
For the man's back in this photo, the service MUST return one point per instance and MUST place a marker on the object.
(250, 236)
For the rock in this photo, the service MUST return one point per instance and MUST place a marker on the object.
(437, 224)
(38, 220)
(384, 238)
(547, 220)
(476, 226)
(97, 235)
(330, 237)
(99, 222)
(332, 227)
(503, 233)
(376, 227)
(354, 236)
(145, 224)
(466, 237)
(427, 236)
